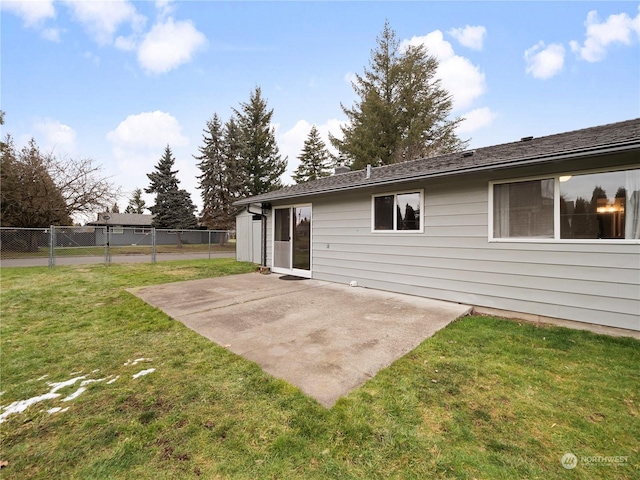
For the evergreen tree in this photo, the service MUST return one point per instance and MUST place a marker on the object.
(402, 111)
(136, 202)
(260, 155)
(29, 196)
(173, 206)
(216, 198)
(315, 160)
(115, 208)
(234, 162)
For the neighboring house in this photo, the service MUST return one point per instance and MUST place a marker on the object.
(136, 229)
(119, 220)
(124, 228)
(545, 226)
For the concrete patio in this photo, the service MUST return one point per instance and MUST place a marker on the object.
(325, 338)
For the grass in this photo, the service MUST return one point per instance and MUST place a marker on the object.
(483, 398)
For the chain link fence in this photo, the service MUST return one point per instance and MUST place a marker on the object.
(57, 245)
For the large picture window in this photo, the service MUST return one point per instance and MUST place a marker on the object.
(584, 206)
(397, 212)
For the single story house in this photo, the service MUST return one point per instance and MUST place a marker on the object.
(136, 229)
(545, 226)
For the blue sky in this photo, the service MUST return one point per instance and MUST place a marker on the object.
(117, 80)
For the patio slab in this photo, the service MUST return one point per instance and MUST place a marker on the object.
(323, 337)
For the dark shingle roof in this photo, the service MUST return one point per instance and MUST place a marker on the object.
(125, 219)
(589, 141)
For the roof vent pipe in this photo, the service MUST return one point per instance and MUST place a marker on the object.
(368, 170)
(468, 153)
(526, 139)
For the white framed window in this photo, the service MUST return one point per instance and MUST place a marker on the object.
(117, 230)
(583, 206)
(141, 231)
(398, 212)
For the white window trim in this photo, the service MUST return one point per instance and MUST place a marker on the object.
(394, 231)
(556, 210)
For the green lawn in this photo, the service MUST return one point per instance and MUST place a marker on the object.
(484, 398)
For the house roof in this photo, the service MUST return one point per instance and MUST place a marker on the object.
(615, 137)
(124, 219)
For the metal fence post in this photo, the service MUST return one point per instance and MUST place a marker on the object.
(52, 246)
(153, 245)
(209, 244)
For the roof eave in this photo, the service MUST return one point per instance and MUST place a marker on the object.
(513, 163)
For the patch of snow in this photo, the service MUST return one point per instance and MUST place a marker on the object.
(21, 405)
(75, 373)
(91, 380)
(42, 377)
(74, 395)
(144, 372)
(96, 370)
(57, 410)
(113, 380)
(59, 385)
(1, 393)
(136, 361)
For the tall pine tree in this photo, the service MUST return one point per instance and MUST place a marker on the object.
(315, 160)
(402, 112)
(173, 208)
(233, 160)
(136, 202)
(262, 161)
(213, 182)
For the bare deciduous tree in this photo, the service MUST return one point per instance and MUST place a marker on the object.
(83, 185)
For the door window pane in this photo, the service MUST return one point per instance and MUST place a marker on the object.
(302, 238)
(281, 243)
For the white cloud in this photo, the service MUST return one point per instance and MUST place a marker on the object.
(168, 45)
(56, 136)
(470, 37)
(92, 57)
(148, 130)
(128, 44)
(32, 13)
(139, 141)
(350, 77)
(475, 120)
(165, 8)
(463, 80)
(51, 34)
(544, 61)
(619, 28)
(102, 19)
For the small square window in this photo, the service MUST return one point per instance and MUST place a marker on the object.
(398, 212)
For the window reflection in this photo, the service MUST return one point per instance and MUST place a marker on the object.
(599, 205)
(408, 206)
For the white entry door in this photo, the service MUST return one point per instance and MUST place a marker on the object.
(292, 240)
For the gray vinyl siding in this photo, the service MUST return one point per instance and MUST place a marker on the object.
(453, 259)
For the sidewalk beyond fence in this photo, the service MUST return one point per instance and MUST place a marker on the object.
(109, 244)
